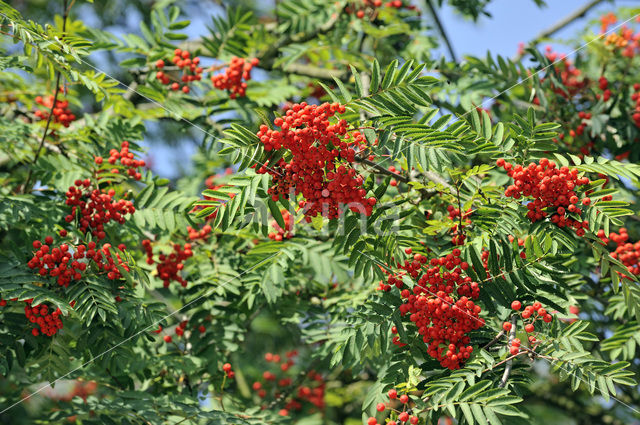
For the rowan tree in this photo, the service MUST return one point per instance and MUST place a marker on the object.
(368, 231)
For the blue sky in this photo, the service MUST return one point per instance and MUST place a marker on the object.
(512, 21)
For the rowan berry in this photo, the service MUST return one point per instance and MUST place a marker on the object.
(321, 161)
(61, 112)
(232, 79)
(552, 190)
(516, 305)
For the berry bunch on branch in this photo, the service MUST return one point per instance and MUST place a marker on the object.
(61, 112)
(235, 77)
(554, 192)
(124, 158)
(627, 252)
(302, 394)
(169, 266)
(400, 408)
(440, 304)
(189, 67)
(280, 233)
(58, 262)
(95, 208)
(320, 167)
(529, 316)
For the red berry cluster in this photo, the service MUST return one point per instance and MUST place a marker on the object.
(530, 315)
(281, 233)
(226, 368)
(169, 266)
(402, 416)
(110, 267)
(396, 339)
(95, 208)
(59, 261)
(624, 39)
(41, 315)
(189, 67)
(440, 305)
(553, 190)
(239, 69)
(203, 233)
(321, 165)
(61, 113)
(310, 392)
(126, 158)
(628, 253)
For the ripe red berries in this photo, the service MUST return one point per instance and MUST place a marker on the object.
(281, 233)
(49, 323)
(226, 368)
(516, 305)
(58, 262)
(321, 165)
(127, 159)
(189, 67)
(95, 208)
(552, 190)
(506, 326)
(239, 69)
(61, 113)
(169, 266)
(441, 305)
(628, 253)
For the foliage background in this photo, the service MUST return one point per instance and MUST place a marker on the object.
(257, 296)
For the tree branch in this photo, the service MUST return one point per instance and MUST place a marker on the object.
(381, 170)
(507, 369)
(443, 34)
(494, 340)
(575, 15)
(65, 15)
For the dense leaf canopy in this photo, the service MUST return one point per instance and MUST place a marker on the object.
(367, 231)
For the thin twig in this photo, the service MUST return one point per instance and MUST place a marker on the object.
(508, 359)
(65, 15)
(507, 369)
(494, 340)
(381, 170)
(575, 15)
(443, 33)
